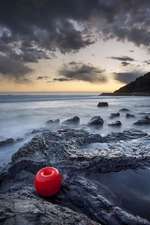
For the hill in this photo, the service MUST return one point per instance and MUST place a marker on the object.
(141, 86)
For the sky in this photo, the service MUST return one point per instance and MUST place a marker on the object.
(73, 45)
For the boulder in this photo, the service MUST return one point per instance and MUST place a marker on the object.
(7, 141)
(102, 104)
(53, 122)
(129, 115)
(124, 110)
(96, 121)
(115, 124)
(114, 115)
(144, 121)
(72, 121)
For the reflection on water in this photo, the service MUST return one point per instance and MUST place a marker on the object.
(130, 190)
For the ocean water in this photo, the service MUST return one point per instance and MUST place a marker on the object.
(21, 113)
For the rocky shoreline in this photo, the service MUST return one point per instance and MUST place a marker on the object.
(81, 157)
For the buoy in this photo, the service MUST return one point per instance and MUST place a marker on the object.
(48, 181)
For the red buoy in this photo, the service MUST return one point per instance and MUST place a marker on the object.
(48, 181)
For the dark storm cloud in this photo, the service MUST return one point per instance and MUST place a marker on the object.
(82, 72)
(126, 77)
(123, 58)
(31, 28)
(125, 63)
(50, 23)
(13, 69)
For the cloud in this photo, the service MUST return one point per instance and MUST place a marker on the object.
(123, 58)
(147, 62)
(42, 77)
(82, 72)
(13, 69)
(125, 63)
(127, 77)
(30, 30)
(66, 24)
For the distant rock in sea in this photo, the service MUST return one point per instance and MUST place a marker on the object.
(102, 104)
(129, 115)
(144, 121)
(72, 121)
(124, 110)
(96, 121)
(114, 115)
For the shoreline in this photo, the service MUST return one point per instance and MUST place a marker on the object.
(75, 153)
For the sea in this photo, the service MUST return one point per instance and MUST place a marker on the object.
(20, 113)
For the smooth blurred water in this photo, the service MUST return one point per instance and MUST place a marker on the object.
(129, 189)
(20, 114)
(18, 117)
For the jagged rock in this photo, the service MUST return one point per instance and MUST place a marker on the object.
(53, 122)
(18, 210)
(102, 104)
(114, 115)
(73, 121)
(36, 131)
(124, 110)
(7, 141)
(129, 115)
(82, 192)
(96, 121)
(115, 124)
(144, 121)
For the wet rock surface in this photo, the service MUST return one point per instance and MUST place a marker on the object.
(72, 121)
(114, 115)
(102, 104)
(81, 157)
(129, 115)
(144, 121)
(124, 110)
(53, 122)
(6, 141)
(96, 121)
(9, 141)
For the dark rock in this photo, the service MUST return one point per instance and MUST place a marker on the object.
(128, 115)
(115, 124)
(96, 121)
(124, 136)
(18, 210)
(72, 121)
(37, 131)
(144, 121)
(102, 104)
(124, 110)
(114, 115)
(81, 199)
(53, 122)
(7, 141)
